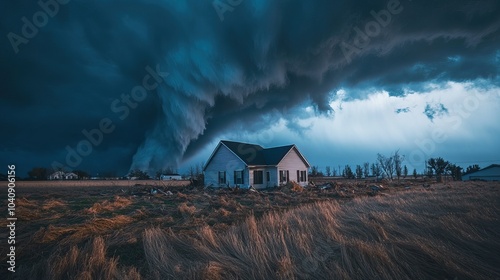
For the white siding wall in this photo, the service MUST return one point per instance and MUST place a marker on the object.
(273, 180)
(225, 160)
(292, 162)
(490, 174)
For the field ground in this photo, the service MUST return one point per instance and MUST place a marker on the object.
(343, 229)
(100, 183)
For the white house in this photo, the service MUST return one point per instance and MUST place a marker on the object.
(58, 175)
(490, 173)
(245, 165)
(61, 175)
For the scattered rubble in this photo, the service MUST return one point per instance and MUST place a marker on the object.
(291, 187)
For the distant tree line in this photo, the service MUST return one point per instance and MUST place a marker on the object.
(387, 166)
(42, 173)
(392, 167)
(438, 167)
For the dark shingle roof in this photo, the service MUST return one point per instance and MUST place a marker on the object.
(253, 154)
(273, 156)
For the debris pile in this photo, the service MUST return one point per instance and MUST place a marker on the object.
(292, 187)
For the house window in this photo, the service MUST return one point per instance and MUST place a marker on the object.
(258, 177)
(238, 177)
(298, 176)
(268, 176)
(222, 177)
(284, 174)
(303, 176)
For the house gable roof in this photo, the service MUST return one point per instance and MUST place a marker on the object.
(298, 153)
(274, 155)
(491, 166)
(252, 154)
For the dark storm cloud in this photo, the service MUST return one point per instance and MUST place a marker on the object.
(264, 59)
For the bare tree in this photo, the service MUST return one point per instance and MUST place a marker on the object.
(366, 169)
(387, 165)
(192, 172)
(38, 173)
(347, 173)
(455, 171)
(391, 165)
(438, 165)
(375, 169)
(359, 171)
(197, 170)
(328, 171)
(398, 160)
(315, 172)
(472, 168)
(158, 174)
(139, 174)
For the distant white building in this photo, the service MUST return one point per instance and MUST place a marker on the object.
(58, 175)
(169, 177)
(490, 173)
(61, 175)
(70, 176)
(245, 165)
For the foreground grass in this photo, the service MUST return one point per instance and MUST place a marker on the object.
(441, 232)
(450, 234)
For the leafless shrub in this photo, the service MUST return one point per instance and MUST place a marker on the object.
(292, 186)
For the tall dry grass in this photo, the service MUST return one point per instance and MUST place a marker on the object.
(71, 234)
(86, 263)
(117, 203)
(415, 235)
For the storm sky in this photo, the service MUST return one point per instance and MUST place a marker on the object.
(106, 86)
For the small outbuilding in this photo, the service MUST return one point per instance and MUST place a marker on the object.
(244, 165)
(490, 173)
(169, 177)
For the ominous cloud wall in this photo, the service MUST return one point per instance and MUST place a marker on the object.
(213, 64)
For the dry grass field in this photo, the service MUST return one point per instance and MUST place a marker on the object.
(344, 231)
(100, 183)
